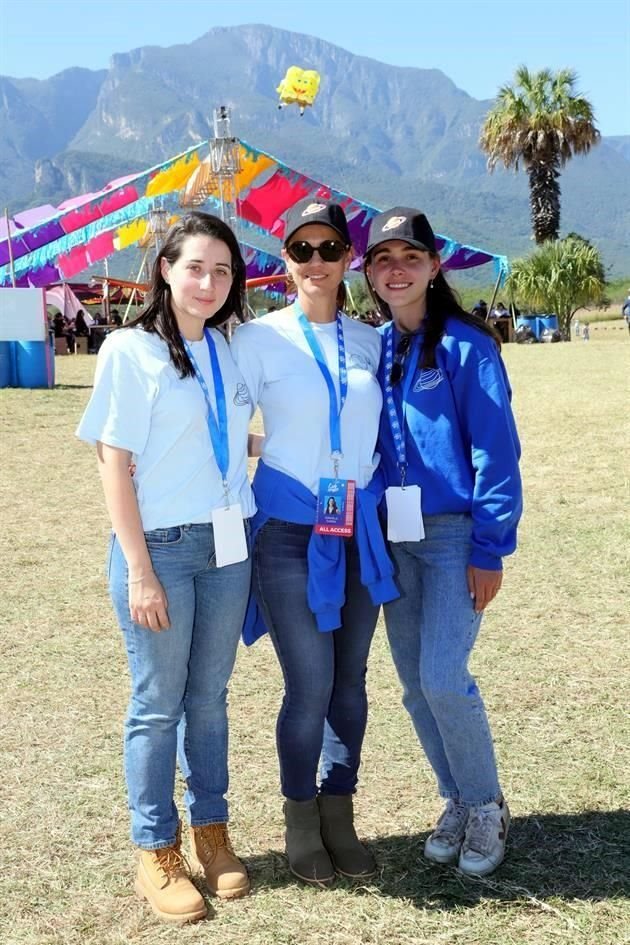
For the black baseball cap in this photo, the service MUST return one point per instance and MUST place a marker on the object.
(401, 223)
(315, 210)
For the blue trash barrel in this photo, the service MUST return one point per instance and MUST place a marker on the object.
(7, 364)
(548, 321)
(35, 363)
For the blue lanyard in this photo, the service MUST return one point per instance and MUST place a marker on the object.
(395, 425)
(334, 417)
(217, 426)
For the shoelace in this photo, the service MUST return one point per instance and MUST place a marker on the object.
(478, 830)
(213, 837)
(170, 861)
(451, 823)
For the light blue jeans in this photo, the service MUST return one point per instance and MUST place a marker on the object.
(432, 628)
(179, 681)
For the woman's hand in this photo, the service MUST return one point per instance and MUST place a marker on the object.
(483, 586)
(147, 602)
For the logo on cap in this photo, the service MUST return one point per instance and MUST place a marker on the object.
(313, 208)
(393, 223)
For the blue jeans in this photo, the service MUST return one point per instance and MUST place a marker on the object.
(324, 709)
(432, 629)
(179, 681)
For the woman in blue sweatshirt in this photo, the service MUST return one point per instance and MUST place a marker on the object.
(450, 455)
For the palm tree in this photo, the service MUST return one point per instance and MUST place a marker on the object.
(560, 277)
(540, 121)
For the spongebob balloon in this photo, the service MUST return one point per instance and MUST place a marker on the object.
(299, 87)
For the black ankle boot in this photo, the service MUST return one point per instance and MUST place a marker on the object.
(349, 856)
(308, 859)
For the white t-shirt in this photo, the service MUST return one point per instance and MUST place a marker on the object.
(285, 380)
(140, 403)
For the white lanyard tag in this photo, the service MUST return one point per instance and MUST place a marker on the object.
(404, 513)
(230, 543)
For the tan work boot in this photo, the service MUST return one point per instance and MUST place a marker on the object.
(212, 855)
(163, 881)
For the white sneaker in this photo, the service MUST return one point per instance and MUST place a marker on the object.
(483, 848)
(444, 844)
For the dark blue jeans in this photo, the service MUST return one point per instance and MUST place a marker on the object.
(324, 709)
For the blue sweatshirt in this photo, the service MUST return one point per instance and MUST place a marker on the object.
(462, 445)
(283, 497)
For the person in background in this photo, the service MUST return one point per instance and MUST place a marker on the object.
(450, 460)
(625, 311)
(80, 325)
(59, 325)
(169, 417)
(312, 372)
(70, 334)
(480, 309)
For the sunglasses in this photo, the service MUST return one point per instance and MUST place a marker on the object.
(402, 350)
(330, 251)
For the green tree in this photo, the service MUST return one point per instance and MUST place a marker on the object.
(560, 277)
(361, 298)
(541, 122)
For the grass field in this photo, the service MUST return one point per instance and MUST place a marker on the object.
(552, 662)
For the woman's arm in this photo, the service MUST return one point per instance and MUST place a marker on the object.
(147, 600)
(255, 443)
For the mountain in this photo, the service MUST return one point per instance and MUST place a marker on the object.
(385, 134)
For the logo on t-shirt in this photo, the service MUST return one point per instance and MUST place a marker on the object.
(361, 363)
(241, 397)
(428, 379)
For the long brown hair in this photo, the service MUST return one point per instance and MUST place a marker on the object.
(157, 315)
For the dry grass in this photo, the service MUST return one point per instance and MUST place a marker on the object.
(605, 319)
(550, 661)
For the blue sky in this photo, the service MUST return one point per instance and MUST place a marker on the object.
(477, 43)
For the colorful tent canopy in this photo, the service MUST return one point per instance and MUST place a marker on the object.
(91, 227)
(267, 188)
(49, 244)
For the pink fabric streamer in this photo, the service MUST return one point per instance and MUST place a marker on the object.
(73, 262)
(265, 204)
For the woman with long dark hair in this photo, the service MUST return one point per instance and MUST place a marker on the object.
(169, 403)
(312, 371)
(449, 455)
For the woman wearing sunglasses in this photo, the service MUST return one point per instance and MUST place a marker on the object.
(450, 455)
(312, 371)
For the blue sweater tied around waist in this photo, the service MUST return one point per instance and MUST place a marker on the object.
(282, 497)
